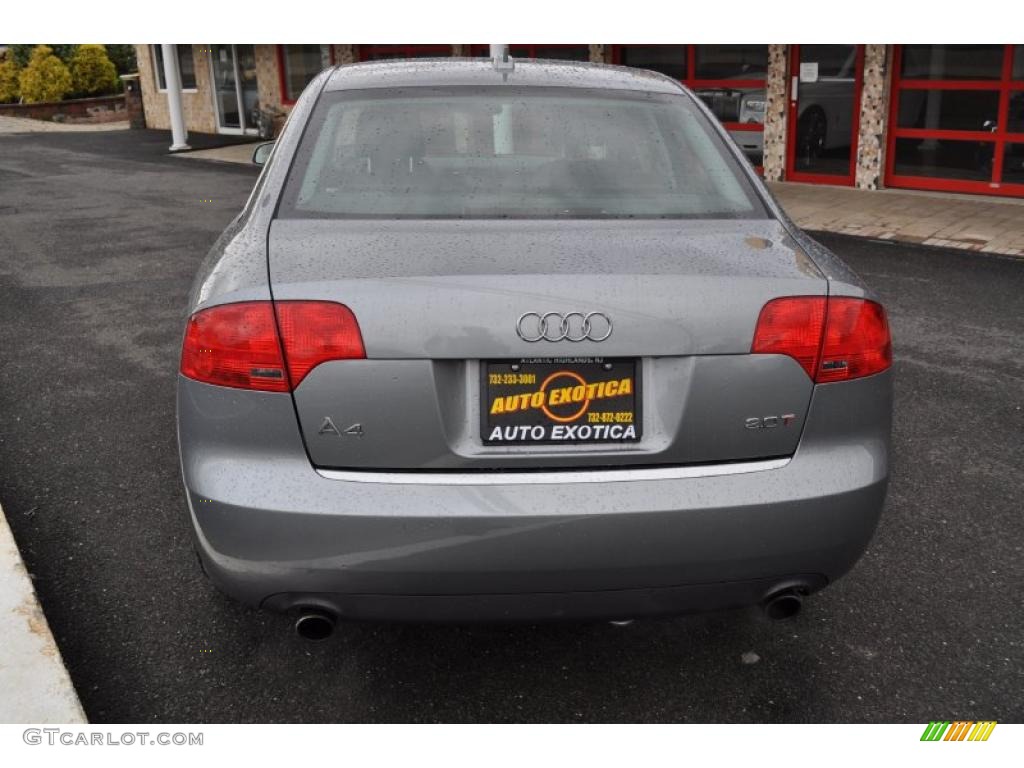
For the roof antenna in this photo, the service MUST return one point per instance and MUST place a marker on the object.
(500, 59)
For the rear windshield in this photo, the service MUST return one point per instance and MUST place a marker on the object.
(505, 152)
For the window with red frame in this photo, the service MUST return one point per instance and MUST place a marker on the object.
(956, 119)
(563, 52)
(377, 52)
(730, 79)
(298, 65)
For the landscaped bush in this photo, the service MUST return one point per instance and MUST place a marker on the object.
(123, 56)
(45, 78)
(10, 89)
(22, 52)
(92, 72)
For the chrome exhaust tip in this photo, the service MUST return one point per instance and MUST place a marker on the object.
(783, 605)
(314, 625)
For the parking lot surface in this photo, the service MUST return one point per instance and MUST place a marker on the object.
(100, 236)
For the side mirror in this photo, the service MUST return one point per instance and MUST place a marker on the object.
(262, 153)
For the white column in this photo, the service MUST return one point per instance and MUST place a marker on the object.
(172, 76)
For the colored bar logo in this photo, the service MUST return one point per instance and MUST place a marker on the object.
(960, 730)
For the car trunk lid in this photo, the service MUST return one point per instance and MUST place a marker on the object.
(436, 298)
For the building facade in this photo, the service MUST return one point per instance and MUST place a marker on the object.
(933, 117)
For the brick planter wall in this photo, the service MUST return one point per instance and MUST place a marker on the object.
(101, 109)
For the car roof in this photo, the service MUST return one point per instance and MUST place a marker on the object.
(401, 73)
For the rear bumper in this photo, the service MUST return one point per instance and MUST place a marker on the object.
(535, 606)
(273, 531)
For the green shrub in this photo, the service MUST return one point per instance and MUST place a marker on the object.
(123, 56)
(19, 52)
(10, 90)
(64, 51)
(45, 78)
(22, 52)
(92, 72)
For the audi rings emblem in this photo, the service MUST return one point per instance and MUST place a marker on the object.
(570, 326)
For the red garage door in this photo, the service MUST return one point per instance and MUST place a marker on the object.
(956, 120)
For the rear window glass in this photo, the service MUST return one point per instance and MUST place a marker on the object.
(508, 152)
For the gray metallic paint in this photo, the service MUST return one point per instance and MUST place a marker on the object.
(424, 414)
(411, 283)
(268, 523)
(473, 71)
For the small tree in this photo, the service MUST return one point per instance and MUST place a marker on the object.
(92, 72)
(45, 78)
(123, 56)
(10, 89)
(64, 51)
(20, 53)
(23, 51)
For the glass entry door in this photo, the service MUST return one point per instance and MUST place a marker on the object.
(824, 113)
(234, 87)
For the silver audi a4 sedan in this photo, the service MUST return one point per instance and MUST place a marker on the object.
(528, 343)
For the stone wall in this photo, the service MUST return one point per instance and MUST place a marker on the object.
(775, 113)
(344, 54)
(268, 79)
(133, 105)
(874, 110)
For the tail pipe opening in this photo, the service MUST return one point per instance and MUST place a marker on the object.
(784, 604)
(315, 625)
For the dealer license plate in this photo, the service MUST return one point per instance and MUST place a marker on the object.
(560, 400)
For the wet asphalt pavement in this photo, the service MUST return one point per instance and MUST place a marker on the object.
(100, 236)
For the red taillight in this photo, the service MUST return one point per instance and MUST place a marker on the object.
(237, 345)
(792, 326)
(314, 332)
(833, 339)
(857, 341)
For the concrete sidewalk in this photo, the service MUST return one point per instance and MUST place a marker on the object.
(238, 153)
(969, 222)
(34, 685)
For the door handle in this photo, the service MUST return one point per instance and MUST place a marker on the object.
(794, 87)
